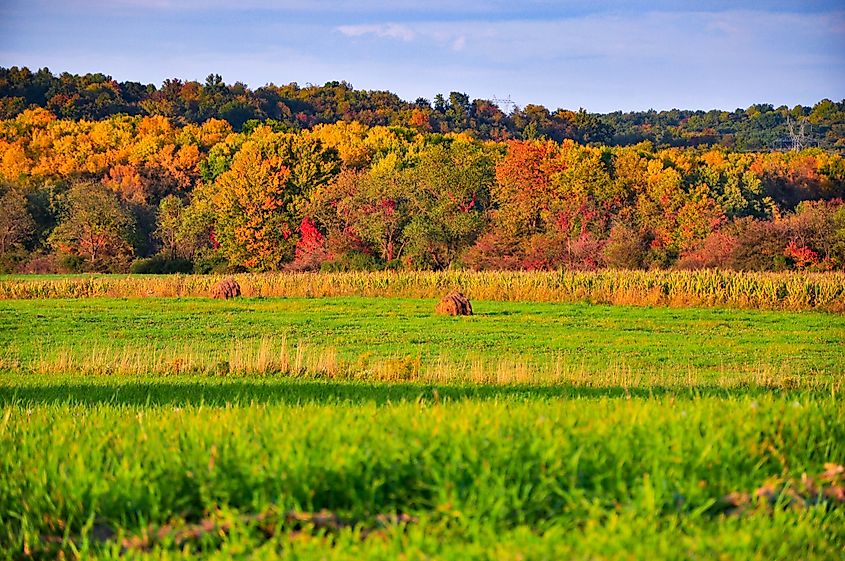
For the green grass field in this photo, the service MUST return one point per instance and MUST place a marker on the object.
(589, 338)
(645, 434)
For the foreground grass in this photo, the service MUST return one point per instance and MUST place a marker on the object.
(487, 473)
(403, 339)
(263, 428)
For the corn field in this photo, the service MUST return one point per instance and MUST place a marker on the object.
(774, 291)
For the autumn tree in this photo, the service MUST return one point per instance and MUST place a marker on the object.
(94, 228)
(254, 210)
(523, 187)
(259, 202)
(389, 183)
(583, 196)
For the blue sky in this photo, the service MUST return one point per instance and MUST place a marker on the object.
(601, 55)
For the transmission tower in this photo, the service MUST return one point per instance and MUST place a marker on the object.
(797, 140)
(797, 137)
(506, 104)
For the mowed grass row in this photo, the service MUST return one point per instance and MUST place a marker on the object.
(512, 476)
(380, 338)
(708, 288)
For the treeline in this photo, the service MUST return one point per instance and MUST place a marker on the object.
(145, 194)
(292, 108)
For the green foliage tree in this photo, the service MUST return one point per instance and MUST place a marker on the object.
(450, 194)
(16, 226)
(378, 208)
(169, 220)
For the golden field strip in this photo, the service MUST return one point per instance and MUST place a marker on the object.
(707, 288)
(269, 357)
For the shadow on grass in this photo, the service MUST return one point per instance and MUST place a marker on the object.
(223, 391)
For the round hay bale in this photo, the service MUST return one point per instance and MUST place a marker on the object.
(454, 304)
(225, 289)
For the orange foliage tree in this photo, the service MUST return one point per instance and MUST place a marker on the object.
(259, 201)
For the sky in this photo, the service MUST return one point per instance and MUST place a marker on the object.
(601, 55)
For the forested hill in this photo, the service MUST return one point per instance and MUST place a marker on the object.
(293, 107)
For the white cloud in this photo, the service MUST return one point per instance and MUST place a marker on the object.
(387, 30)
(667, 37)
(446, 35)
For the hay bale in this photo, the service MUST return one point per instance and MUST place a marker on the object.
(225, 289)
(454, 304)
